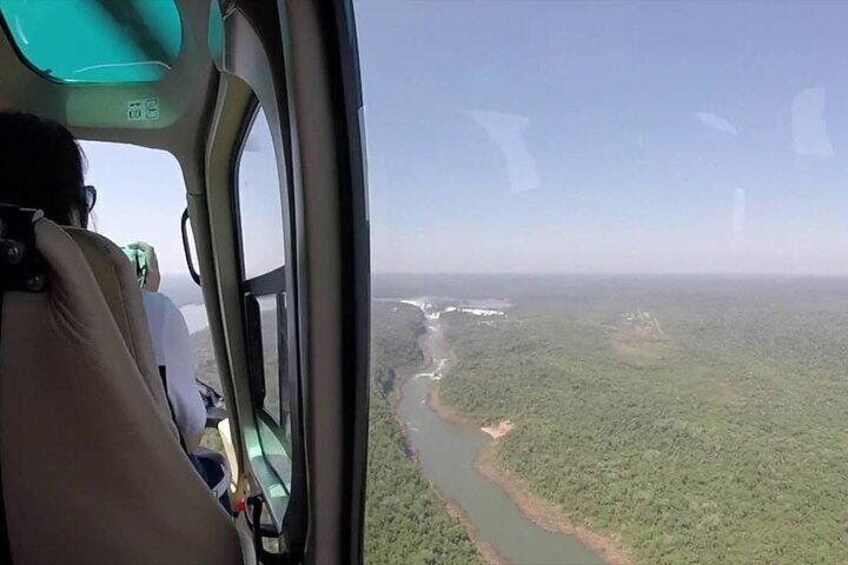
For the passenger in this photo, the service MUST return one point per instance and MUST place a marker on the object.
(172, 346)
(42, 166)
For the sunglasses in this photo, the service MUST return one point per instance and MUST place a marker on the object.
(90, 196)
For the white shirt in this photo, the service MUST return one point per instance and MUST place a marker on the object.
(172, 346)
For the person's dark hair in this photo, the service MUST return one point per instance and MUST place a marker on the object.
(42, 166)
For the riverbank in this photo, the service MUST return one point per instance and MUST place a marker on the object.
(403, 378)
(539, 511)
(487, 552)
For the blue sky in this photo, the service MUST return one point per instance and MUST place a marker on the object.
(141, 196)
(604, 137)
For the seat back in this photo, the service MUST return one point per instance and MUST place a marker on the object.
(92, 472)
(119, 286)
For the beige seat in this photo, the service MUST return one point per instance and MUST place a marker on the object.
(119, 287)
(91, 465)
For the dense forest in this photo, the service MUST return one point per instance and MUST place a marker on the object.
(405, 521)
(701, 421)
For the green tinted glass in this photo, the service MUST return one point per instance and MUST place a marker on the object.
(97, 41)
(215, 37)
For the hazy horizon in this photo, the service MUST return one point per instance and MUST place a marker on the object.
(611, 274)
(184, 277)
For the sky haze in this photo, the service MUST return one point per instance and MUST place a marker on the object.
(606, 137)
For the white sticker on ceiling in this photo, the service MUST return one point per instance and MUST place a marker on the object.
(143, 110)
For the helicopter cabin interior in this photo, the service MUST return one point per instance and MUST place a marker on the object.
(190, 77)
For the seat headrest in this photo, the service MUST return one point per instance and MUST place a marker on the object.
(21, 266)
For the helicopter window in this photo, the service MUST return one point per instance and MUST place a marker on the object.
(259, 202)
(140, 197)
(114, 41)
(263, 261)
(270, 359)
(611, 236)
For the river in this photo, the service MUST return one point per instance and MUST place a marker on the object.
(447, 453)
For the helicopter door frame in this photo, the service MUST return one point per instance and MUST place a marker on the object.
(247, 83)
(326, 94)
(299, 61)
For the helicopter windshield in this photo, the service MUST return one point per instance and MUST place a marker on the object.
(114, 41)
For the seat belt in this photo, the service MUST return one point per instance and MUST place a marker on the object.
(163, 370)
(253, 514)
